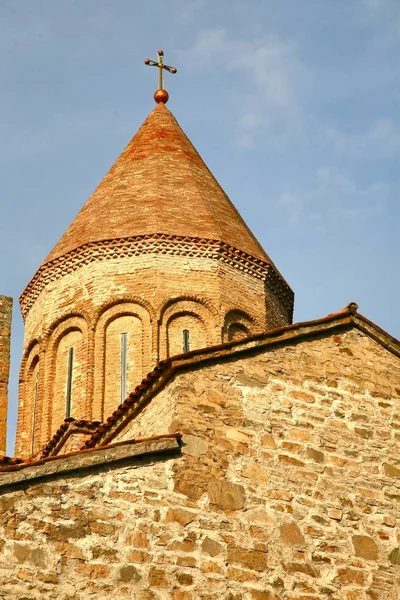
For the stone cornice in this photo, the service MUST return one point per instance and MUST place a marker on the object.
(161, 244)
(66, 464)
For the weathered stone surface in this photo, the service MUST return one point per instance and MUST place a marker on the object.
(98, 456)
(350, 576)
(244, 437)
(184, 578)
(153, 515)
(226, 495)
(394, 556)
(247, 558)
(157, 577)
(365, 547)
(193, 445)
(128, 573)
(391, 470)
(256, 473)
(180, 515)
(211, 547)
(191, 484)
(305, 568)
(291, 534)
(267, 441)
(26, 553)
(315, 455)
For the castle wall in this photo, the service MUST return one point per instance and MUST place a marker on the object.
(5, 332)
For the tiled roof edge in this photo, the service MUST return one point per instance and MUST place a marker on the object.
(63, 432)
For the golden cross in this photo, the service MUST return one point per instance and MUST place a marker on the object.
(160, 96)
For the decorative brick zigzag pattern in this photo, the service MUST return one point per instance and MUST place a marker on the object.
(159, 243)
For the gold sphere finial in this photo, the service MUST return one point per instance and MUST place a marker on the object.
(161, 96)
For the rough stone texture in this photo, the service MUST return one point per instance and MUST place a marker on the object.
(247, 514)
(310, 433)
(5, 332)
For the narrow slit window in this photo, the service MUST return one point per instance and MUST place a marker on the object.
(124, 364)
(186, 340)
(35, 399)
(69, 382)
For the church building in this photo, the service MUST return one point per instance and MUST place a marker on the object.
(178, 436)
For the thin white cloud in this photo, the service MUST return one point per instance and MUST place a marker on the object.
(380, 141)
(333, 198)
(269, 70)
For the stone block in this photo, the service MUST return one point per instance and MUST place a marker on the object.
(211, 547)
(250, 559)
(193, 445)
(291, 534)
(365, 547)
(226, 495)
(180, 515)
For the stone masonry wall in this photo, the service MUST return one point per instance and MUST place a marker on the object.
(287, 488)
(308, 436)
(5, 333)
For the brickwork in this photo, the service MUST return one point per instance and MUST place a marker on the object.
(130, 327)
(5, 332)
(176, 330)
(161, 244)
(159, 184)
(159, 295)
(286, 488)
(278, 314)
(73, 340)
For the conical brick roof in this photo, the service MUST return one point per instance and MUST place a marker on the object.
(159, 184)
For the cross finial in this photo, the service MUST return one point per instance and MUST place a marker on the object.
(161, 94)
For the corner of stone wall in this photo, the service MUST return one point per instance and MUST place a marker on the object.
(5, 337)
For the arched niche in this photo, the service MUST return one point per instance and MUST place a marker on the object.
(237, 325)
(69, 381)
(192, 317)
(122, 354)
(67, 366)
(185, 332)
(29, 417)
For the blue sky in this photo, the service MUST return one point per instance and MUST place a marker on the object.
(293, 105)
